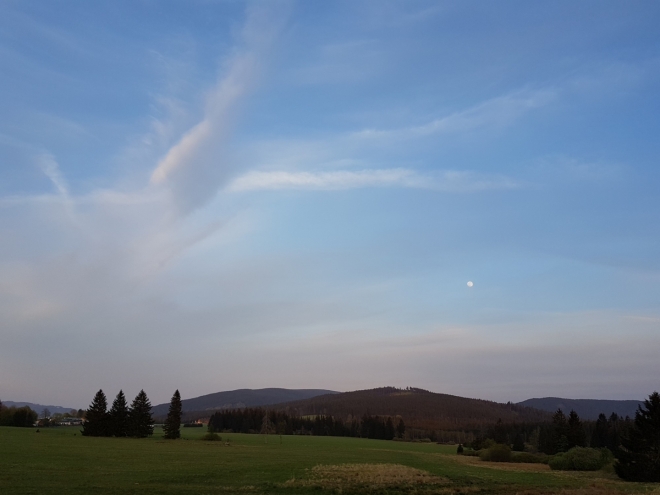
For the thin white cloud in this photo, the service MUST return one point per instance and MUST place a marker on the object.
(195, 167)
(497, 112)
(51, 169)
(447, 181)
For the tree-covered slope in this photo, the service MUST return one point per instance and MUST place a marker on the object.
(245, 397)
(419, 408)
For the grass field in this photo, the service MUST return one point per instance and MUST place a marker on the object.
(60, 461)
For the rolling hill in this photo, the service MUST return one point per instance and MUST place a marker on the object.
(419, 408)
(245, 397)
(38, 408)
(586, 408)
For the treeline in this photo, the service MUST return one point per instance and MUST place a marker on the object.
(120, 420)
(559, 435)
(259, 420)
(135, 421)
(17, 416)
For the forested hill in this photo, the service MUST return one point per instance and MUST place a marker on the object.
(419, 408)
(236, 399)
(586, 408)
(38, 408)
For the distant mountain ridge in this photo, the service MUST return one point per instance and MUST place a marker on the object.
(38, 408)
(245, 397)
(586, 408)
(419, 408)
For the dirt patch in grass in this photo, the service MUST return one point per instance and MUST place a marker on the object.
(367, 475)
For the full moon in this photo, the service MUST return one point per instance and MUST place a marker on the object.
(470, 284)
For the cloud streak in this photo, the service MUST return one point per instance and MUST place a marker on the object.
(497, 112)
(198, 164)
(446, 181)
(51, 169)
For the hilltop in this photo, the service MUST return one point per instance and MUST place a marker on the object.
(419, 408)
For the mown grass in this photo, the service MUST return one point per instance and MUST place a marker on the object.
(61, 461)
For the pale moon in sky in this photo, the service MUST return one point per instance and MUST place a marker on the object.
(470, 284)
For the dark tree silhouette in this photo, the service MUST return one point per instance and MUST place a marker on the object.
(119, 416)
(172, 427)
(141, 423)
(97, 421)
(575, 433)
(560, 432)
(400, 429)
(638, 458)
(599, 435)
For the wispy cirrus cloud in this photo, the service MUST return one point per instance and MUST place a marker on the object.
(197, 165)
(446, 181)
(496, 112)
(51, 169)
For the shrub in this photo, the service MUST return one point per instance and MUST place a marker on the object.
(211, 437)
(581, 459)
(526, 457)
(496, 453)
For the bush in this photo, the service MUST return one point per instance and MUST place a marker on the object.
(527, 458)
(496, 453)
(581, 459)
(211, 437)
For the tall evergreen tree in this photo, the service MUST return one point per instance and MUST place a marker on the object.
(599, 435)
(172, 427)
(96, 418)
(141, 424)
(575, 434)
(638, 458)
(119, 416)
(559, 432)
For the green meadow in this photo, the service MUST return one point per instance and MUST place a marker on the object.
(61, 461)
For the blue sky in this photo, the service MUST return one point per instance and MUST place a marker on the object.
(216, 195)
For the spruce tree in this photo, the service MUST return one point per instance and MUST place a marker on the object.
(575, 434)
(599, 435)
(96, 417)
(119, 416)
(638, 458)
(141, 424)
(559, 432)
(172, 426)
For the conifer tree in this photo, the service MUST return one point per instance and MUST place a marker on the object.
(119, 416)
(141, 424)
(559, 432)
(575, 434)
(96, 417)
(172, 427)
(599, 435)
(638, 458)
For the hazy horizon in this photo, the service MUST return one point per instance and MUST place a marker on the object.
(209, 196)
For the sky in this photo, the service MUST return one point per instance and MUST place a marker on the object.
(210, 195)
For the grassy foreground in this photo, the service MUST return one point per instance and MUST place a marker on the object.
(61, 461)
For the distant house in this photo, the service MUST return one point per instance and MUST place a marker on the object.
(70, 422)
